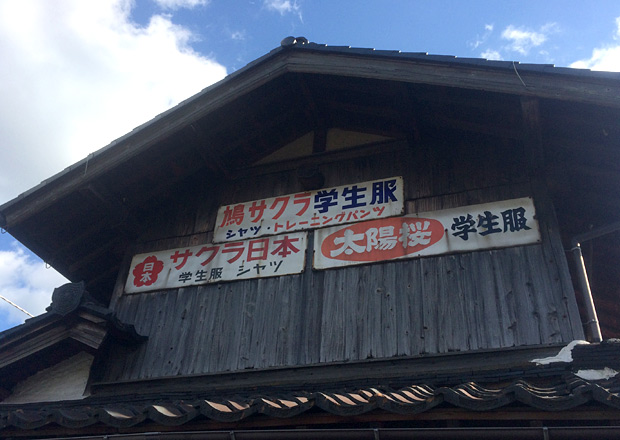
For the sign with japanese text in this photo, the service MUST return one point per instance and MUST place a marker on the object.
(468, 228)
(257, 258)
(309, 210)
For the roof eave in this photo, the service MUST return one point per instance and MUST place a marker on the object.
(140, 139)
(600, 88)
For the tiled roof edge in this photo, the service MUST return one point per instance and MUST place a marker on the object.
(414, 399)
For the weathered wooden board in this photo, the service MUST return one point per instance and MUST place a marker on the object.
(497, 298)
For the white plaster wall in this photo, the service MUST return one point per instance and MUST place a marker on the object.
(64, 381)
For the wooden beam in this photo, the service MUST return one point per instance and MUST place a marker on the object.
(384, 147)
(36, 341)
(350, 375)
(89, 334)
(563, 87)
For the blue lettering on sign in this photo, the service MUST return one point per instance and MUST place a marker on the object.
(383, 192)
(324, 199)
(354, 195)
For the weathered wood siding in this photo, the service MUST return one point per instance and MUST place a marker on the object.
(477, 300)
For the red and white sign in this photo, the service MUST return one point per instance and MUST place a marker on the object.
(310, 210)
(212, 263)
(469, 228)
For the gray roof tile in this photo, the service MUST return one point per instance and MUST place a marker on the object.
(565, 394)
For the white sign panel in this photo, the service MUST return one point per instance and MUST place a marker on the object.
(211, 263)
(309, 210)
(468, 228)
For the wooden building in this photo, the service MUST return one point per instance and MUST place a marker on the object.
(334, 242)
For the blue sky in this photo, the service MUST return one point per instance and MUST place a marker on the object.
(76, 75)
(557, 32)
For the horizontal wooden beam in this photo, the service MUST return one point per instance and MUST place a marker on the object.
(563, 87)
(32, 343)
(347, 374)
(384, 147)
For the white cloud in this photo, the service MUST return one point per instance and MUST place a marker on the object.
(491, 55)
(522, 40)
(603, 58)
(178, 4)
(238, 35)
(76, 75)
(283, 6)
(25, 281)
(481, 39)
(607, 59)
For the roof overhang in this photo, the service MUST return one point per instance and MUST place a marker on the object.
(82, 220)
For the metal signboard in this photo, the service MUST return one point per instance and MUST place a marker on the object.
(468, 228)
(309, 210)
(256, 258)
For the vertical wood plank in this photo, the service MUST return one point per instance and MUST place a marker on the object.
(430, 290)
(195, 351)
